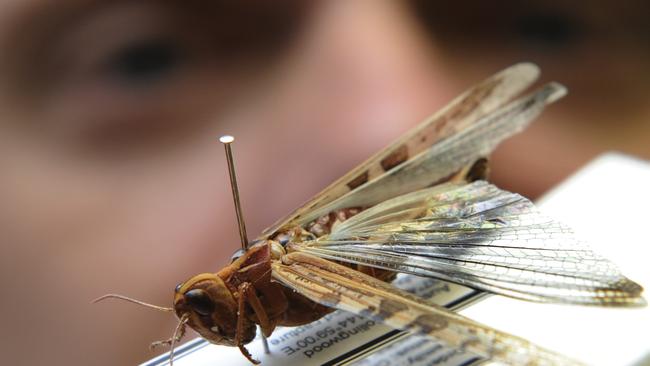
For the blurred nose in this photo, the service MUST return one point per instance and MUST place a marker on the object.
(375, 68)
(361, 73)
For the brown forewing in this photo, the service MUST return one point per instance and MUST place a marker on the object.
(340, 287)
(459, 114)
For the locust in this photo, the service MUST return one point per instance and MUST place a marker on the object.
(420, 206)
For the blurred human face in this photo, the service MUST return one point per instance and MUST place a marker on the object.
(112, 178)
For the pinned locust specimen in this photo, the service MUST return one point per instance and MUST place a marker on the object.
(420, 206)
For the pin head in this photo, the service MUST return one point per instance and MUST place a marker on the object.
(226, 139)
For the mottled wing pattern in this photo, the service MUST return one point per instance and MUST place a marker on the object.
(447, 156)
(482, 237)
(340, 287)
(461, 113)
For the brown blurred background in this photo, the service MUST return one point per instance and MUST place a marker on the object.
(111, 179)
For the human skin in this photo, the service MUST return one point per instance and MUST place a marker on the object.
(112, 179)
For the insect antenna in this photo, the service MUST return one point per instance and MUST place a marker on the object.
(226, 141)
(128, 299)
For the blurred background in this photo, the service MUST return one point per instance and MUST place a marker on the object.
(112, 179)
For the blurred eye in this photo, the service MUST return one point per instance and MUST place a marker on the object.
(547, 28)
(200, 301)
(119, 78)
(504, 24)
(144, 62)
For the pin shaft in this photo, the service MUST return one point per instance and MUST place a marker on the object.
(227, 140)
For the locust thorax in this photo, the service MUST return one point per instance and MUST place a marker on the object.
(211, 309)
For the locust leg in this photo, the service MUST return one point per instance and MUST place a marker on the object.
(248, 295)
(168, 342)
(241, 307)
(248, 292)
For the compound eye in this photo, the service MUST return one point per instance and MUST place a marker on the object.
(200, 301)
